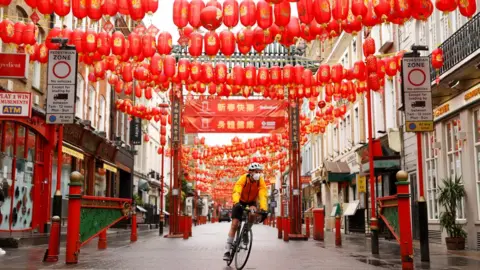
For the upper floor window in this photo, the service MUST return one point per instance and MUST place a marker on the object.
(91, 104)
(101, 114)
(79, 96)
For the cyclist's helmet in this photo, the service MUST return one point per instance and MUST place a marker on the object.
(255, 166)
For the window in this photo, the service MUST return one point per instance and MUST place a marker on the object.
(356, 126)
(36, 65)
(354, 51)
(91, 104)
(342, 136)
(348, 132)
(454, 156)
(445, 26)
(476, 132)
(79, 96)
(431, 160)
(101, 114)
(433, 42)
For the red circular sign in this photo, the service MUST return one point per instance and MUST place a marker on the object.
(61, 69)
(416, 81)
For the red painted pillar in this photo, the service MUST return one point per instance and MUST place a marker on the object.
(185, 227)
(286, 229)
(318, 223)
(404, 220)
(307, 225)
(133, 233)
(73, 223)
(338, 232)
(53, 243)
(102, 240)
(279, 227)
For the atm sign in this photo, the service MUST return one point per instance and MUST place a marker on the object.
(15, 104)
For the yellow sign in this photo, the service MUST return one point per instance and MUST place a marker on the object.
(72, 152)
(362, 184)
(412, 126)
(109, 167)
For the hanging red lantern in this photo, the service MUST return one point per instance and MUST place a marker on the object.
(262, 77)
(156, 64)
(323, 74)
(94, 10)
(62, 7)
(288, 74)
(118, 43)
(422, 9)
(220, 73)
(359, 71)
(180, 13)
(150, 6)
(437, 58)
(276, 75)
(79, 9)
(164, 43)
(90, 41)
(333, 28)
(244, 49)
(298, 74)
(402, 11)
(99, 69)
(371, 19)
(135, 9)
(383, 9)
(135, 43)
(359, 9)
(467, 7)
(148, 46)
(351, 24)
(245, 37)
(127, 72)
(227, 43)
(28, 36)
(282, 14)
(371, 63)
(211, 18)
(183, 70)
(109, 8)
(238, 75)
(381, 68)
(368, 46)
(230, 13)
(77, 37)
(169, 66)
(322, 12)
(195, 71)
(264, 14)
(446, 5)
(46, 7)
(337, 73)
(103, 43)
(340, 9)
(373, 81)
(18, 33)
(248, 13)
(207, 73)
(391, 66)
(250, 75)
(212, 43)
(194, 10)
(305, 11)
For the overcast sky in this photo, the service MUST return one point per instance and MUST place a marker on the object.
(163, 20)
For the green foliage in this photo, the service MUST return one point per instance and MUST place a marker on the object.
(138, 200)
(450, 195)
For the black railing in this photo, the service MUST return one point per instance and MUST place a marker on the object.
(459, 45)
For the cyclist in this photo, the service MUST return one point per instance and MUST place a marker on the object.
(249, 188)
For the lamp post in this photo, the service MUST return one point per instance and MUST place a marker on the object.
(162, 182)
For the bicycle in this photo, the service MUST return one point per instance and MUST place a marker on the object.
(243, 238)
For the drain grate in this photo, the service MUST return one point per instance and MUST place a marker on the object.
(478, 240)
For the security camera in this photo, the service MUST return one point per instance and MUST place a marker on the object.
(419, 48)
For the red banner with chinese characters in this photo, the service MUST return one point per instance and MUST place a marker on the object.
(232, 116)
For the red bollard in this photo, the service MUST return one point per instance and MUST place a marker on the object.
(189, 226)
(102, 240)
(286, 229)
(54, 241)
(133, 235)
(307, 225)
(185, 228)
(279, 227)
(73, 222)
(403, 197)
(318, 224)
(338, 233)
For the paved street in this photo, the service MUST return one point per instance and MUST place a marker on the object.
(204, 251)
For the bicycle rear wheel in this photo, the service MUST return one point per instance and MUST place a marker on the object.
(244, 248)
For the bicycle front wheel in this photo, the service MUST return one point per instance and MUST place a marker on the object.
(244, 248)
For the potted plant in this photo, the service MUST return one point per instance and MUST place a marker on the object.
(450, 194)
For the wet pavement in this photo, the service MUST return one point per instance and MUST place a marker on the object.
(204, 251)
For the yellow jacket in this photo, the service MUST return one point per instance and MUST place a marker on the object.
(247, 191)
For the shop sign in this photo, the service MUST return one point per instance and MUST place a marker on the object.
(13, 65)
(109, 167)
(136, 131)
(176, 120)
(469, 97)
(305, 179)
(294, 125)
(417, 94)
(72, 152)
(15, 104)
(107, 151)
(362, 184)
(73, 134)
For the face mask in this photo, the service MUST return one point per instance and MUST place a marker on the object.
(256, 176)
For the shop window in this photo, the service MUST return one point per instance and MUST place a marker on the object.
(431, 160)
(36, 65)
(476, 132)
(31, 140)
(454, 156)
(20, 142)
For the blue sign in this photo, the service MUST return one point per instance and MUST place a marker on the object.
(15, 110)
(52, 118)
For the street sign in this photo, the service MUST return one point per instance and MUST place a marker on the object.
(417, 94)
(13, 65)
(136, 131)
(15, 104)
(61, 86)
(273, 204)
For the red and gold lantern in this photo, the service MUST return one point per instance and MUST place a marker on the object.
(194, 10)
(340, 9)
(180, 13)
(305, 11)
(264, 14)
(282, 13)
(212, 43)
(422, 9)
(227, 43)
(211, 18)
(230, 13)
(446, 5)
(248, 13)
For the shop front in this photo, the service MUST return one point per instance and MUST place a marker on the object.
(453, 150)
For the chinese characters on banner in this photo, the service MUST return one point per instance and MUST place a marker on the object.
(246, 116)
(136, 131)
(176, 121)
(294, 125)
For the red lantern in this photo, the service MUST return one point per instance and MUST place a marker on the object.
(207, 73)
(371, 19)
(288, 74)
(127, 72)
(373, 82)
(195, 8)
(248, 13)
(156, 64)
(305, 11)
(391, 66)
(238, 75)
(109, 8)
(422, 9)
(359, 71)
(28, 36)
(337, 73)
(183, 70)
(123, 7)
(169, 66)
(340, 9)
(381, 68)
(467, 7)
(148, 46)
(230, 13)
(90, 41)
(62, 7)
(446, 5)
(298, 74)
(402, 11)
(135, 43)
(195, 71)
(371, 63)
(94, 10)
(383, 9)
(322, 12)
(282, 13)
(333, 28)
(368, 46)
(264, 14)
(220, 73)
(212, 43)
(180, 13)
(359, 9)
(245, 37)
(18, 33)
(103, 43)
(351, 24)
(262, 77)
(150, 6)
(437, 58)
(276, 75)
(45, 7)
(250, 75)
(118, 43)
(79, 9)
(164, 43)
(227, 43)
(323, 74)
(211, 18)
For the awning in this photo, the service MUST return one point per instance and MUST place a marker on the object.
(143, 185)
(141, 209)
(337, 171)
